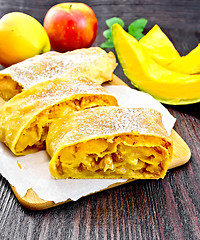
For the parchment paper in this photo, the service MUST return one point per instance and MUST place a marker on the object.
(31, 171)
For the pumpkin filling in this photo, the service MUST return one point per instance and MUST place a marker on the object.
(110, 158)
(8, 88)
(33, 136)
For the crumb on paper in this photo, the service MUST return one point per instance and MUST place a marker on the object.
(19, 165)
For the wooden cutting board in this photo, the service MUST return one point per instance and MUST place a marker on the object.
(181, 155)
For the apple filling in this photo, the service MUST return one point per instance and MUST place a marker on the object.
(33, 136)
(111, 158)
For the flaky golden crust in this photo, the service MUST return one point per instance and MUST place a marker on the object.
(93, 63)
(143, 126)
(45, 102)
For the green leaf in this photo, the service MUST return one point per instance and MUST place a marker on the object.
(111, 21)
(108, 34)
(137, 27)
(139, 36)
(138, 24)
(107, 44)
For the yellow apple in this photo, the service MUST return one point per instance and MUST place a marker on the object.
(21, 37)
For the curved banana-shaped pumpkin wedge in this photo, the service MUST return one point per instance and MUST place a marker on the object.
(159, 46)
(166, 86)
(189, 64)
(164, 53)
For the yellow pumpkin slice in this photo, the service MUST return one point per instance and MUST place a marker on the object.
(166, 86)
(188, 64)
(159, 46)
(161, 49)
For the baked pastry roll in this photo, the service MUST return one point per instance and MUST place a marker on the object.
(93, 63)
(109, 142)
(25, 119)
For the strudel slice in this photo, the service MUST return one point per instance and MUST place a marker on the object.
(25, 119)
(109, 142)
(93, 63)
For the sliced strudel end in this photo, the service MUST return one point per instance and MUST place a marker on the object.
(25, 119)
(109, 142)
(93, 63)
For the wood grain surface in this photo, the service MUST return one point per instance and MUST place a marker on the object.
(165, 209)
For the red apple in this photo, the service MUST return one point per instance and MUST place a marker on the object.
(70, 26)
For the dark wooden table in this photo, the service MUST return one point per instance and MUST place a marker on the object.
(163, 209)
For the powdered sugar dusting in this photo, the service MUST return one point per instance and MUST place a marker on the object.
(54, 65)
(59, 89)
(105, 121)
